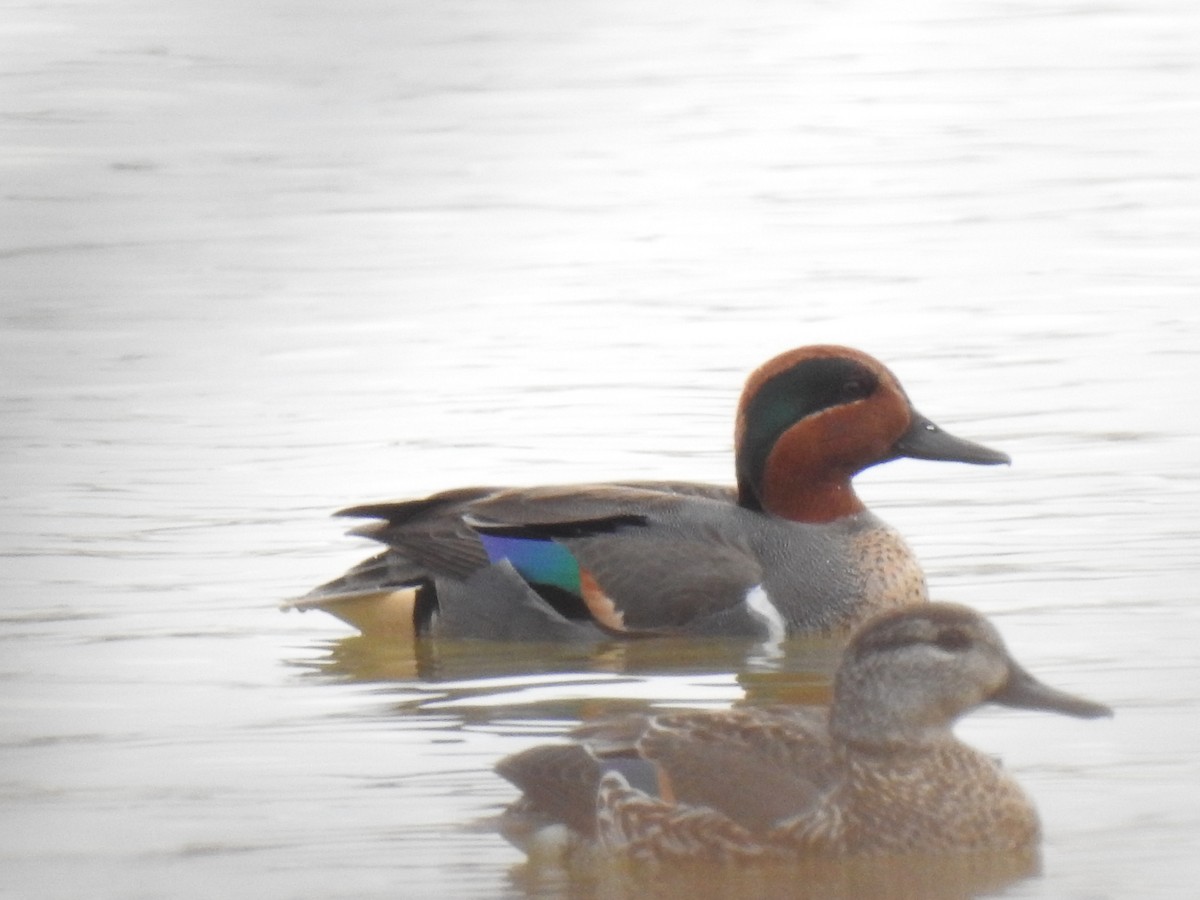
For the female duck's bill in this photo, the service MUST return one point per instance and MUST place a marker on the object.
(879, 773)
(790, 550)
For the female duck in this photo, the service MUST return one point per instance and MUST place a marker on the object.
(879, 773)
(791, 550)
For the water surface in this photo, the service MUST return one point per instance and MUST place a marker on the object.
(259, 262)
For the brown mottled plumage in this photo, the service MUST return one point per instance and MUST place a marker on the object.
(790, 550)
(879, 773)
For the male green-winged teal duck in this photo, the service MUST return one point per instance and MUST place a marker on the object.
(791, 549)
(878, 773)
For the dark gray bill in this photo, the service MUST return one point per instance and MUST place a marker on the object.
(924, 440)
(1026, 692)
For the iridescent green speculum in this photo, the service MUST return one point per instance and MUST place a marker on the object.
(538, 561)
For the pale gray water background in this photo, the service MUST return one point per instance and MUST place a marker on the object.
(260, 260)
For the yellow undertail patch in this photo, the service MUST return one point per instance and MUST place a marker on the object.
(388, 613)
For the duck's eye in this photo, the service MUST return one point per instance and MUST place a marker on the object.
(952, 639)
(854, 389)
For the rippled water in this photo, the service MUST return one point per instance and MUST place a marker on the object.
(260, 261)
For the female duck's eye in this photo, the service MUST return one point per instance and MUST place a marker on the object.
(952, 639)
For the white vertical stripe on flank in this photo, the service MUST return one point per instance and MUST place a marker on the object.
(765, 611)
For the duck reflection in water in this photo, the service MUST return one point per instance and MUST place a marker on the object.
(878, 776)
